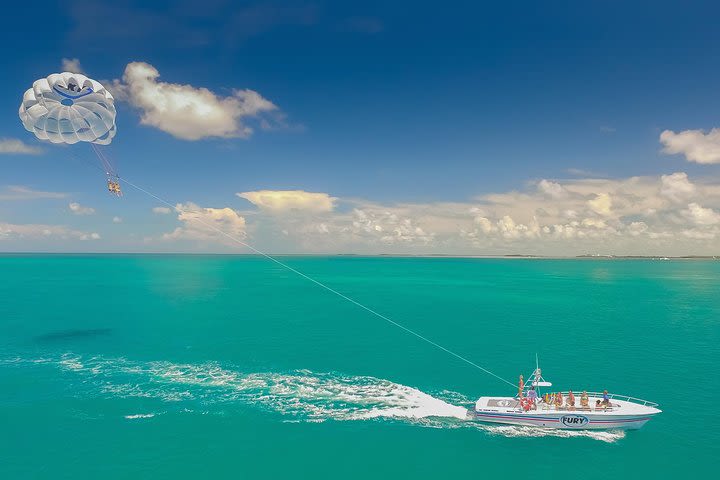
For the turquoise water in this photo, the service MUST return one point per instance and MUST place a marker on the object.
(231, 367)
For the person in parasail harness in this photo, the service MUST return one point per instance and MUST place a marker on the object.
(114, 187)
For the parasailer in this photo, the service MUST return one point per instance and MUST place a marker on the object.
(70, 108)
(114, 187)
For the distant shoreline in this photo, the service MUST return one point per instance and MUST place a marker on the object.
(378, 255)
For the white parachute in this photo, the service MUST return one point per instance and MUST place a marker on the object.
(69, 108)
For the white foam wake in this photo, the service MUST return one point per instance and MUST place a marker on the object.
(299, 395)
(139, 415)
(608, 436)
(310, 395)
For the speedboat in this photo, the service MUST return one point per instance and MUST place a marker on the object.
(586, 411)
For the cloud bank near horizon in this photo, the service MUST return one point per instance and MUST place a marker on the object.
(671, 214)
(666, 214)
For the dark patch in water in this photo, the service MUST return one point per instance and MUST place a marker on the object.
(62, 335)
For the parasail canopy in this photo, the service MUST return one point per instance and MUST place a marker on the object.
(69, 108)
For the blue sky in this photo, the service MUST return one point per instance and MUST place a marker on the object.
(419, 127)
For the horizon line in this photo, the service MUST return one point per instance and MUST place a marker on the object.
(391, 255)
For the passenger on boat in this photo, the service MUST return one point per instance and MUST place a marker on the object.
(558, 400)
(546, 398)
(606, 398)
(599, 404)
(532, 398)
(521, 385)
(571, 400)
(584, 401)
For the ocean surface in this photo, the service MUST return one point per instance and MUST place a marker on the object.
(176, 367)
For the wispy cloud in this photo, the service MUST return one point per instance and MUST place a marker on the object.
(14, 146)
(161, 210)
(368, 25)
(20, 192)
(182, 24)
(580, 172)
(252, 20)
(10, 231)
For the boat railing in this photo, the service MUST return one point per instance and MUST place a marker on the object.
(568, 408)
(614, 396)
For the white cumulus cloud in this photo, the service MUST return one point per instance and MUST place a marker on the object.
(204, 223)
(385, 226)
(601, 204)
(284, 201)
(552, 189)
(507, 227)
(78, 209)
(701, 215)
(71, 65)
(695, 145)
(188, 112)
(677, 187)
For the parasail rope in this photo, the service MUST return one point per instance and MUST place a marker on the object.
(109, 170)
(317, 282)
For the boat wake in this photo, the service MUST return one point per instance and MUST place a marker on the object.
(297, 396)
(609, 436)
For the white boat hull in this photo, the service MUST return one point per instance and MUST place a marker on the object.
(622, 415)
(568, 421)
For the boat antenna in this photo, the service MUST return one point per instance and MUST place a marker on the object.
(316, 282)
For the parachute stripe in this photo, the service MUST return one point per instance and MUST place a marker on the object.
(70, 96)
